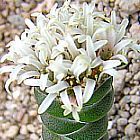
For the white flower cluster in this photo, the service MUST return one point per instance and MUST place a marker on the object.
(66, 53)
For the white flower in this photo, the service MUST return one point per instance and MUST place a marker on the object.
(53, 92)
(74, 104)
(60, 67)
(13, 75)
(108, 68)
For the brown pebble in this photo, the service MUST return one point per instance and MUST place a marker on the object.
(20, 114)
(25, 119)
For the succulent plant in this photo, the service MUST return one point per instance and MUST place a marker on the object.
(70, 56)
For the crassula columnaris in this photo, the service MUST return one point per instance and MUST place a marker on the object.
(70, 56)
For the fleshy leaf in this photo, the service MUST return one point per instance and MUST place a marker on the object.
(96, 111)
(60, 125)
(100, 92)
(91, 131)
(49, 135)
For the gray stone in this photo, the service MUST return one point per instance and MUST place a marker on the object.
(128, 76)
(135, 99)
(30, 128)
(33, 136)
(23, 130)
(132, 110)
(16, 20)
(113, 133)
(135, 67)
(137, 76)
(12, 131)
(138, 124)
(124, 114)
(122, 121)
(124, 100)
(133, 119)
(134, 90)
(130, 129)
(119, 81)
(137, 138)
(126, 90)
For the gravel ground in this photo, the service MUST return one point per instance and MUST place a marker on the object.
(18, 112)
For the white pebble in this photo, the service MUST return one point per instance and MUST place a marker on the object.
(12, 131)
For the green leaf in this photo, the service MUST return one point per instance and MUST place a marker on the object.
(105, 137)
(39, 95)
(54, 109)
(60, 125)
(100, 92)
(91, 131)
(49, 135)
(98, 110)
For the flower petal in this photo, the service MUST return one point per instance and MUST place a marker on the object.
(135, 47)
(90, 47)
(111, 72)
(7, 84)
(30, 60)
(66, 112)
(122, 44)
(43, 81)
(80, 64)
(46, 103)
(65, 99)
(90, 24)
(96, 62)
(5, 69)
(75, 115)
(57, 87)
(32, 82)
(99, 44)
(113, 18)
(122, 30)
(121, 57)
(81, 38)
(111, 36)
(29, 23)
(71, 46)
(26, 75)
(78, 94)
(89, 90)
(111, 64)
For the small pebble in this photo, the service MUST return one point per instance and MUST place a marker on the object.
(33, 113)
(124, 114)
(12, 131)
(20, 114)
(33, 136)
(130, 129)
(132, 110)
(133, 119)
(23, 130)
(137, 138)
(113, 133)
(138, 124)
(25, 119)
(16, 20)
(126, 90)
(122, 121)
(30, 128)
(135, 99)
